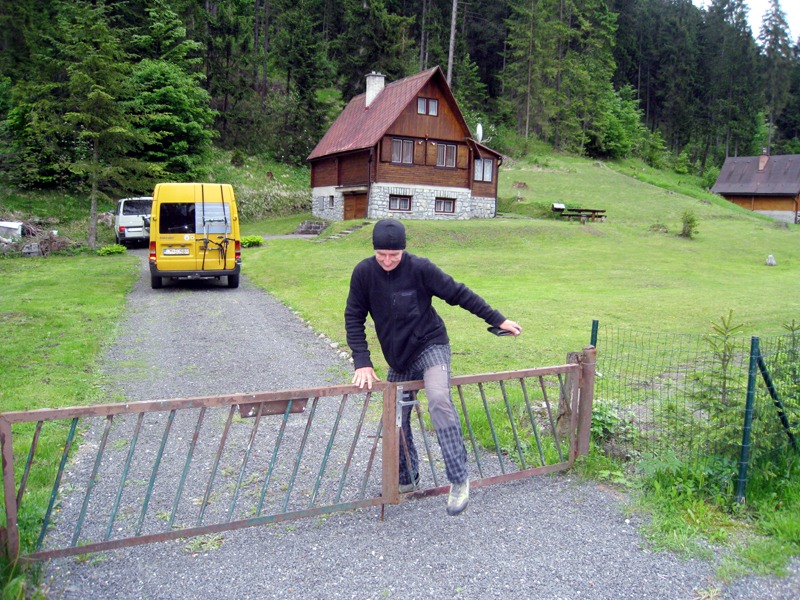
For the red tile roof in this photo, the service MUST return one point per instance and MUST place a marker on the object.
(359, 126)
(740, 176)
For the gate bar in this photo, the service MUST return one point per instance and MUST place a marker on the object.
(57, 483)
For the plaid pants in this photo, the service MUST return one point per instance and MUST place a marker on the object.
(433, 366)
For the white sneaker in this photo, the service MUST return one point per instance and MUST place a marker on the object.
(404, 488)
(458, 499)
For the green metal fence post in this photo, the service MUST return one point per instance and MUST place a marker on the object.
(595, 324)
(744, 457)
(588, 363)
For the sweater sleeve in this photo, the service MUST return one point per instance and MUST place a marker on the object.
(454, 293)
(355, 317)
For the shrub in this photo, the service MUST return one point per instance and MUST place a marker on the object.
(111, 249)
(689, 224)
(237, 158)
(710, 177)
(658, 228)
(249, 241)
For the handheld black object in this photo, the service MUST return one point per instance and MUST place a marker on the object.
(498, 331)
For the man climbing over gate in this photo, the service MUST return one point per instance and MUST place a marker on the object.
(396, 289)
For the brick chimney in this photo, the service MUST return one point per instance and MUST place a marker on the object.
(374, 86)
(762, 160)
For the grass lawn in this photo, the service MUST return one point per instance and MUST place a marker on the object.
(554, 277)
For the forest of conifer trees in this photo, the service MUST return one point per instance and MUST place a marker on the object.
(115, 95)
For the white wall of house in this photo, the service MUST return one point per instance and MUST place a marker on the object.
(785, 216)
(328, 203)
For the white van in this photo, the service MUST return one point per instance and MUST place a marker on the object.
(131, 219)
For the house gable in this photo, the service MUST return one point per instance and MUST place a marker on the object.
(447, 125)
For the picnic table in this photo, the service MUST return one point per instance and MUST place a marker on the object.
(581, 214)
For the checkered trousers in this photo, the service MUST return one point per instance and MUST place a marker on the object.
(433, 365)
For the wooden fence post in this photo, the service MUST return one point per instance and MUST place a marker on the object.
(564, 417)
(10, 536)
(588, 361)
(389, 452)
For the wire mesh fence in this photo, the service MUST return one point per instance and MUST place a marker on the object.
(716, 402)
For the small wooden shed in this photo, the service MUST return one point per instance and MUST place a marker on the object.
(769, 185)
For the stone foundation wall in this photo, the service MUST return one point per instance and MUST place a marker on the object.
(320, 204)
(785, 216)
(423, 203)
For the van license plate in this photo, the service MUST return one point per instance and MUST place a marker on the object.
(175, 251)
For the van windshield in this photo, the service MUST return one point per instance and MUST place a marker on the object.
(194, 217)
(137, 207)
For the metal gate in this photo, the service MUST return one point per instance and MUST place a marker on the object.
(87, 479)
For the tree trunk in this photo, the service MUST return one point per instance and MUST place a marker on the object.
(452, 43)
(423, 37)
(93, 195)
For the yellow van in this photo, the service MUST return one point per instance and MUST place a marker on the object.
(194, 233)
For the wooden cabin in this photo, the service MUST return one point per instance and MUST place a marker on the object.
(765, 184)
(403, 150)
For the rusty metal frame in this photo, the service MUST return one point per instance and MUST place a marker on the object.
(581, 376)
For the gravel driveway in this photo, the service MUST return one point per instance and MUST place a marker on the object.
(550, 537)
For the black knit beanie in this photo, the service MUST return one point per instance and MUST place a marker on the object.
(389, 234)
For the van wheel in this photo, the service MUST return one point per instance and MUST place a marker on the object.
(156, 282)
(233, 281)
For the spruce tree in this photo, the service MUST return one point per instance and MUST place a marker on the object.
(776, 48)
(97, 71)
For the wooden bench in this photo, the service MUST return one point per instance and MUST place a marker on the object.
(583, 214)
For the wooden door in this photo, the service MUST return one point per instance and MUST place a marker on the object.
(355, 206)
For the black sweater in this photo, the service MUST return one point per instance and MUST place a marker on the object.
(399, 302)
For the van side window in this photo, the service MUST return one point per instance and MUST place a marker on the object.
(176, 217)
(213, 217)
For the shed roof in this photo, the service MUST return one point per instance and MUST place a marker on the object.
(360, 126)
(741, 176)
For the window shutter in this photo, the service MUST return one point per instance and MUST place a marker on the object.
(462, 156)
(386, 149)
(419, 152)
(430, 153)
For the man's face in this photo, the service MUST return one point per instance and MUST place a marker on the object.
(388, 259)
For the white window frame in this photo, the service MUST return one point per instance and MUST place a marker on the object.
(484, 169)
(446, 155)
(402, 151)
(441, 204)
(427, 106)
(397, 201)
